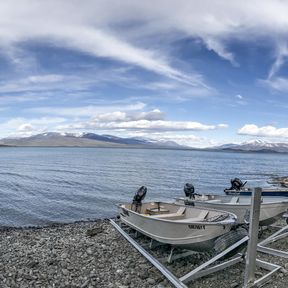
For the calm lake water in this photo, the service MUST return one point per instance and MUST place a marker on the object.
(39, 186)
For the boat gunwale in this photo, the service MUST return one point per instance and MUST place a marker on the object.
(230, 221)
(235, 204)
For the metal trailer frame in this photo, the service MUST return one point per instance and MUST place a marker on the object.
(202, 270)
(280, 234)
(172, 278)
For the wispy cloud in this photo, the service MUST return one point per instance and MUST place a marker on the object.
(218, 47)
(277, 83)
(86, 111)
(77, 27)
(94, 28)
(281, 55)
(45, 82)
(274, 80)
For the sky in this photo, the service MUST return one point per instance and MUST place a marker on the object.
(201, 73)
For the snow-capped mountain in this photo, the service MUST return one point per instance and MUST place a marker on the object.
(256, 145)
(86, 140)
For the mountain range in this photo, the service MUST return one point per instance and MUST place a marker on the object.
(255, 146)
(54, 139)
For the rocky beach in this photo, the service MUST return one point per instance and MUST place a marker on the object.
(94, 254)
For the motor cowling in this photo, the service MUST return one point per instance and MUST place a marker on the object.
(189, 190)
(140, 195)
(236, 184)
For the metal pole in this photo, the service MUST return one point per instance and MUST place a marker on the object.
(253, 238)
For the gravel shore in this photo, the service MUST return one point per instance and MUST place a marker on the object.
(94, 254)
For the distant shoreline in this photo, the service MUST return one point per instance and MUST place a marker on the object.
(156, 148)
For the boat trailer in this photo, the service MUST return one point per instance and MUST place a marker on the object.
(206, 268)
(280, 234)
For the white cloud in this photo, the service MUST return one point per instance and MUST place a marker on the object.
(118, 116)
(265, 131)
(21, 126)
(113, 116)
(223, 125)
(26, 127)
(155, 125)
(149, 125)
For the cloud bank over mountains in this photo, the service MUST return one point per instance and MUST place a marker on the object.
(265, 131)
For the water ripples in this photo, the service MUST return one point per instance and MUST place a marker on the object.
(45, 185)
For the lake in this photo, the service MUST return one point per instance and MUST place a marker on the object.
(40, 186)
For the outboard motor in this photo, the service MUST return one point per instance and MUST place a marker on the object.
(139, 196)
(237, 184)
(189, 190)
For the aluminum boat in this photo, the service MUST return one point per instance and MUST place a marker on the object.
(272, 208)
(238, 188)
(178, 225)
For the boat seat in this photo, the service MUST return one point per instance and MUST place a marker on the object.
(156, 210)
(178, 214)
(213, 201)
(201, 217)
(234, 200)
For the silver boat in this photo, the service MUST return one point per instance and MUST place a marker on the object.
(179, 225)
(272, 207)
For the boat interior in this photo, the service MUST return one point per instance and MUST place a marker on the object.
(170, 211)
(231, 199)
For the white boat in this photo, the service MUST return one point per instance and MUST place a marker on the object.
(266, 191)
(272, 208)
(179, 225)
(238, 188)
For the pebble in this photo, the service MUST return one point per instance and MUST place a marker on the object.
(150, 281)
(89, 251)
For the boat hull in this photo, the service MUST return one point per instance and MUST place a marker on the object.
(270, 211)
(198, 236)
(265, 192)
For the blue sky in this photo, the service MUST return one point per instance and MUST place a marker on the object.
(199, 73)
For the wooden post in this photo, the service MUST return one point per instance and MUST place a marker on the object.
(253, 238)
